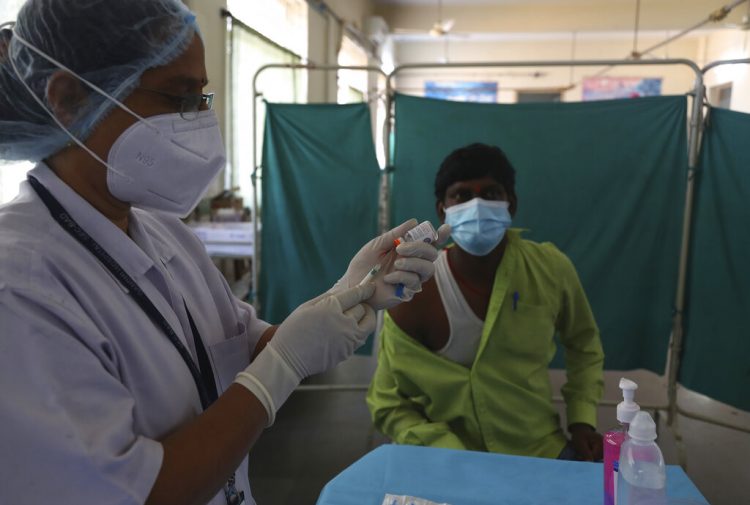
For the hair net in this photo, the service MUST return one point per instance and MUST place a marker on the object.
(110, 43)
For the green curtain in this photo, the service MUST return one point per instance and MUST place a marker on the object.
(716, 357)
(320, 185)
(604, 181)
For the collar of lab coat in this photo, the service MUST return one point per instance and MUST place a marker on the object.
(153, 244)
(128, 253)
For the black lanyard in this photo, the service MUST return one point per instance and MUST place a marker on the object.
(203, 376)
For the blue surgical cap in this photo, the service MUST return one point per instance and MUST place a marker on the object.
(110, 43)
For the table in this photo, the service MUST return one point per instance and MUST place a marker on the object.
(231, 246)
(477, 478)
(226, 239)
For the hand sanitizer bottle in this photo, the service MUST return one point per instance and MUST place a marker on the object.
(614, 438)
(642, 478)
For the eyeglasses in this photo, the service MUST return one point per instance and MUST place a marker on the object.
(189, 104)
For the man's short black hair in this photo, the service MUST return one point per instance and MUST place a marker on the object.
(474, 162)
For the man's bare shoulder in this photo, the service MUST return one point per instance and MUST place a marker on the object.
(412, 316)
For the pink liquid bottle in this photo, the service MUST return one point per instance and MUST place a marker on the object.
(614, 438)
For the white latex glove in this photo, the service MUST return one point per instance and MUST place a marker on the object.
(411, 265)
(316, 336)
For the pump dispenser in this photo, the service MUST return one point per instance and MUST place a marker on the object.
(627, 408)
(614, 438)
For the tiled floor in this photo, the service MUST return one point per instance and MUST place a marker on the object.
(318, 433)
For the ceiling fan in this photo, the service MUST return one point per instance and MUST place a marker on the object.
(440, 28)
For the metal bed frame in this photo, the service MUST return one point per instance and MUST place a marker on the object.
(695, 133)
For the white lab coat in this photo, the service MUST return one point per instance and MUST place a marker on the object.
(88, 382)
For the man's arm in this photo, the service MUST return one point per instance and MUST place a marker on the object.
(395, 415)
(584, 362)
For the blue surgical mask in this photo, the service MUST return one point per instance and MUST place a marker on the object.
(478, 226)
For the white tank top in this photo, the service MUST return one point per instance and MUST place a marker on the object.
(465, 326)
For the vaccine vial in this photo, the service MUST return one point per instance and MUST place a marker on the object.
(423, 232)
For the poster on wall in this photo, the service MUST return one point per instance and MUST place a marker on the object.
(462, 91)
(610, 88)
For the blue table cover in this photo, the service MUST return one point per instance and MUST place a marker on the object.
(478, 478)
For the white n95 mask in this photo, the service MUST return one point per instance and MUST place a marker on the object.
(161, 162)
(165, 163)
(478, 226)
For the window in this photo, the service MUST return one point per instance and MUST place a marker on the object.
(721, 96)
(11, 173)
(532, 96)
(283, 21)
(352, 84)
(250, 51)
(356, 86)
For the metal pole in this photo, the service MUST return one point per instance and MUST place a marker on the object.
(385, 219)
(724, 62)
(709, 420)
(546, 63)
(256, 166)
(332, 387)
(229, 113)
(694, 140)
(555, 399)
(256, 216)
(696, 131)
(313, 66)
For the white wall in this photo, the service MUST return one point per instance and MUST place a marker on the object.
(213, 32)
(352, 11)
(514, 30)
(676, 80)
(324, 31)
(323, 45)
(726, 45)
(555, 15)
(321, 86)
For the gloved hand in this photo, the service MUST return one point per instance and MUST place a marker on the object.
(316, 336)
(410, 265)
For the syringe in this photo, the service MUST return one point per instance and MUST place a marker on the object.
(423, 232)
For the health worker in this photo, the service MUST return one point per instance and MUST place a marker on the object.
(130, 374)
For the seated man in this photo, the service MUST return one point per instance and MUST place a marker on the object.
(465, 364)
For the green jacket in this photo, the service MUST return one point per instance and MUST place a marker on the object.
(503, 402)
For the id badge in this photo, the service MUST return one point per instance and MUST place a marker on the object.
(233, 496)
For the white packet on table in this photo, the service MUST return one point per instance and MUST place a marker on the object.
(392, 499)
